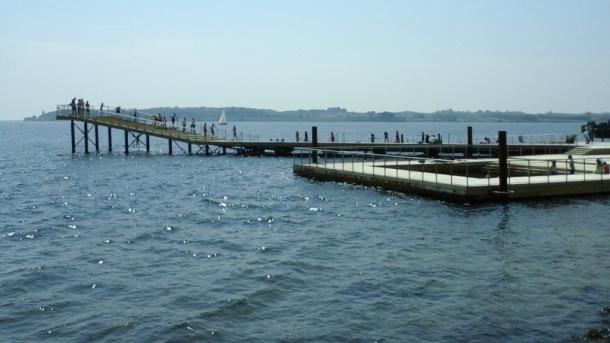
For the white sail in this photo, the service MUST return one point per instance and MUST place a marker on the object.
(223, 118)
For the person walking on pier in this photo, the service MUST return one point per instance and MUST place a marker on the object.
(332, 137)
(397, 137)
(205, 130)
(164, 122)
(212, 132)
(297, 136)
(183, 124)
(87, 109)
(173, 120)
(234, 133)
(571, 164)
(386, 138)
(193, 125)
(372, 138)
(102, 108)
(305, 137)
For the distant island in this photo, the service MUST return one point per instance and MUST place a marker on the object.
(339, 114)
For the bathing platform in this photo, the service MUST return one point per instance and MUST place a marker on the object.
(461, 180)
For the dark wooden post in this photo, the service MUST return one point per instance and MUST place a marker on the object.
(86, 138)
(147, 143)
(224, 150)
(109, 139)
(126, 143)
(72, 135)
(207, 150)
(469, 143)
(169, 141)
(502, 161)
(190, 149)
(97, 140)
(314, 143)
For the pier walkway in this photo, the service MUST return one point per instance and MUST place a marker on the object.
(139, 129)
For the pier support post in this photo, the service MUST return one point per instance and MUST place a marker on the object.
(109, 139)
(502, 161)
(147, 143)
(224, 150)
(207, 150)
(190, 149)
(169, 141)
(468, 153)
(126, 142)
(72, 136)
(97, 140)
(314, 143)
(86, 138)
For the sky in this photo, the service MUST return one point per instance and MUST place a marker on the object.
(534, 56)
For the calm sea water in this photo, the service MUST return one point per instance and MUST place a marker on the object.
(226, 249)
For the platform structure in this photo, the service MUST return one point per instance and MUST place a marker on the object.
(461, 180)
(136, 130)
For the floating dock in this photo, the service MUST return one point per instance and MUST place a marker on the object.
(463, 180)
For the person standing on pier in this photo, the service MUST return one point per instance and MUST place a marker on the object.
(212, 132)
(397, 137)
(205, 130)
(332, 137)
(571, 164)
(183, 124)
(102, 108)
(305, 137)
(297, 136)
(193, 125)
(234, 133)
(372, 138)
(386, 138)
(87, 109)
(173, 120)
(73, 106)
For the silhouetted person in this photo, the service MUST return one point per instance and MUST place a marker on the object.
(297, 136)
(306, 137)
(101, 108)
(397, 138)
(87, 110)
(402, 140)
(372, 138)
(205, 130)
(234, 132)
(173, 120)
(212, 132)
(193, 125)
(386, 138)
(73, 106)
(183, 124)
(332, 137)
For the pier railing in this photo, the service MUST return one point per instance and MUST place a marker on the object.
(469, 173)
(137, 116)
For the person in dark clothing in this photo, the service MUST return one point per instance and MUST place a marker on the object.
(297, 136)
(397, 137)
(386, 138)
(173, 120)
(212, 131)
(234, 132)
(402, 139)
(87, 109)
(427, 138)
(193, 125)
(101, 108)
(372, 138)
(205, 130)
(183, 124)
(332, 137)
(306, 137)
(73, 106)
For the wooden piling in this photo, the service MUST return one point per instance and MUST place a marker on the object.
(72, 136)
(109, 139)
(502, 161)
(86, 138)
(169, 141)
(97, 139)
(468, 153)
(314, 143)
(126, 142)
(147, 143)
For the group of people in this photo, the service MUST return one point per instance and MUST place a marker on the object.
(601, 167)
(80, 107)
(298, 137)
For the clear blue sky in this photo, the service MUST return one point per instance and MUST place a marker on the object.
(533, 55)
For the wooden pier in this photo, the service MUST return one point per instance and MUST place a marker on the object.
(137, 130)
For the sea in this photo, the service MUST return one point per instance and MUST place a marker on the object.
(156, 248)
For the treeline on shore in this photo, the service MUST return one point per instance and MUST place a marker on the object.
(339, 114)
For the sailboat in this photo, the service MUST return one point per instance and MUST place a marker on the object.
(223, 118)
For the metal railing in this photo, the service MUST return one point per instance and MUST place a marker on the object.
(468, 173)
(137, 116)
